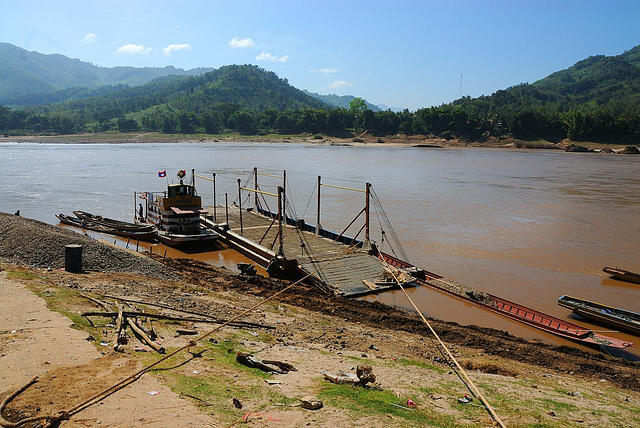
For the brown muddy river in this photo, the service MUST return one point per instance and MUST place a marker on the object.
(528, 226)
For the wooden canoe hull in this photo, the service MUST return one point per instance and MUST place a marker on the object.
(623, 275)
(109, 222)
(138, 236)
(603, 314)
(176, 240)
(522, 313)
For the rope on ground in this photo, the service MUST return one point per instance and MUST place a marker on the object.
(469, 382)
(51, 419)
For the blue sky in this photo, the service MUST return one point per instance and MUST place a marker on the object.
(400, 53)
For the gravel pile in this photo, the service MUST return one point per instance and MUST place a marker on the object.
(34, 243)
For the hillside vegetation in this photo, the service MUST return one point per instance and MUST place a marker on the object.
(597, 99)
(24, 72)
(340, 100)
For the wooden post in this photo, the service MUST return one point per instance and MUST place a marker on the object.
(127, 246)
(137, 244)
(280, 238)
(284, 196)
(215, 216)
(193, 180)
(366, 212)
(226, 206)
(318, 217)
(255, 180)
(240, 205)
(135, 210)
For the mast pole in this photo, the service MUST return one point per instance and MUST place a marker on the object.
(366, 211)
(255, 181)
(280, 237)
(135, 209)
(318, 216)
(226, 206)
(240, 204)
(215, 217)
(193, 180)
(284, 195)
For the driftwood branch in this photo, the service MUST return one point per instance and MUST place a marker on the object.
(143, 336)
(201, 314)
(103, 305)
(239, 324)
(270, 366)
(120, 327)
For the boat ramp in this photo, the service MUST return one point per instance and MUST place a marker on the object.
(277, 241)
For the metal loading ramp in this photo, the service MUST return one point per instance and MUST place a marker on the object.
(346, 274)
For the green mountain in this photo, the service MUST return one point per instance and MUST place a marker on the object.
(242, 86)
(341, 101)
(594, 83)
(24, 72)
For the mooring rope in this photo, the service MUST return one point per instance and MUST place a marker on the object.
(469, 383)
(59, 416)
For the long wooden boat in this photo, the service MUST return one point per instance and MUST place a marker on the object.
(622, 274)
(109, 222)
(602, 314)
(89, 225)
(516, 312)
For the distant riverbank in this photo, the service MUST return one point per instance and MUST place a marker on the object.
(317, 139)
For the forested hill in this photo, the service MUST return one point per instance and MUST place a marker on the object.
(597, 82)
(341, 101)
(242, 86)
(24, 72)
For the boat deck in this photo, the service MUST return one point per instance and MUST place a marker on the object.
(345, 275)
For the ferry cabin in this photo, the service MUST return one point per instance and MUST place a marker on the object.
(176, 211)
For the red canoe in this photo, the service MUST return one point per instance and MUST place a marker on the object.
(521, 313)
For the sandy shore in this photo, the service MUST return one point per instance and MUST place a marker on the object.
(363, 140)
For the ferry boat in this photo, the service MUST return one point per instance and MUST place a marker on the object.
(176, 215)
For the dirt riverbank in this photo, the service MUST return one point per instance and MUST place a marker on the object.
(399, 140)
(529, 383)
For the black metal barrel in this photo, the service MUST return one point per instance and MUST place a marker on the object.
(73, 258)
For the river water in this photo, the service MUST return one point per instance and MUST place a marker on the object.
(528, 226)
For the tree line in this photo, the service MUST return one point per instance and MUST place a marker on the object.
(446, 121)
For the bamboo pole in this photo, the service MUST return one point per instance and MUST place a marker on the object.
(255, 185)
(240, 205)
(318, 216)
(280, 239)
(215, 216)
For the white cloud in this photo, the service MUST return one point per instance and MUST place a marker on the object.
(133, 49)
(89, 38)
(325, 71)
(339, 84)
(241, 43)
(173, 48)
(266, 56)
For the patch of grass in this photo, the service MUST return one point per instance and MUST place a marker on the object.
(368, 402)
(217, 393)
(558, 406)
(16, 274)
(224, 352)
(422, 365)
